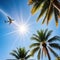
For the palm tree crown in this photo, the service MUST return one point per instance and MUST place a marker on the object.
(44, 44)
(20, 53)
(47, 7)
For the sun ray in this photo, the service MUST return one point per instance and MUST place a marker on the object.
(15, 42)
(28, 19)
(21, 18)
(23, 29)
(12, 32)
(15, 23)
(3, 12)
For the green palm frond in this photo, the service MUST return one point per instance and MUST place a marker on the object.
(14, 51)
(43, 10)
(42, 39)
(53, 52)
(48, 34)
(27, 52)
(34, 38)
(13, 54)
(39, 32)
(41, 35)
(50, 12)
(45, 17)
(36, 6)
(48, 53)
(56, 16)
(55, 45)
(34, 51)
(20, 53)
(27, 56)
(34, 44)
(50, 5)
(39, 54)
(45, 32)
(36, 35)
(54, 39)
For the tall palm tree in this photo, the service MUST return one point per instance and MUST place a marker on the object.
(47, 7)
(44, 43)
(20, 53)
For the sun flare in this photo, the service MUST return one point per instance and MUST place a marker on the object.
(23, 28)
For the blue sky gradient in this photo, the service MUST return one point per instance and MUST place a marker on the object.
(17, 9)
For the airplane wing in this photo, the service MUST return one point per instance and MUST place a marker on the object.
(10, 20)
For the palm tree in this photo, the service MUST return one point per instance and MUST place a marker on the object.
(20, 53)
(44, 43)
(47, 7)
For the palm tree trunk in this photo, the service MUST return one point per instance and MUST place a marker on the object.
(56, 4)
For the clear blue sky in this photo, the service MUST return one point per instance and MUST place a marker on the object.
(9, 41)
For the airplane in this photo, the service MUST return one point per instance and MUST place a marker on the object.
(9, 20)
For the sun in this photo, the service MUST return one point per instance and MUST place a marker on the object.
(23, 28)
